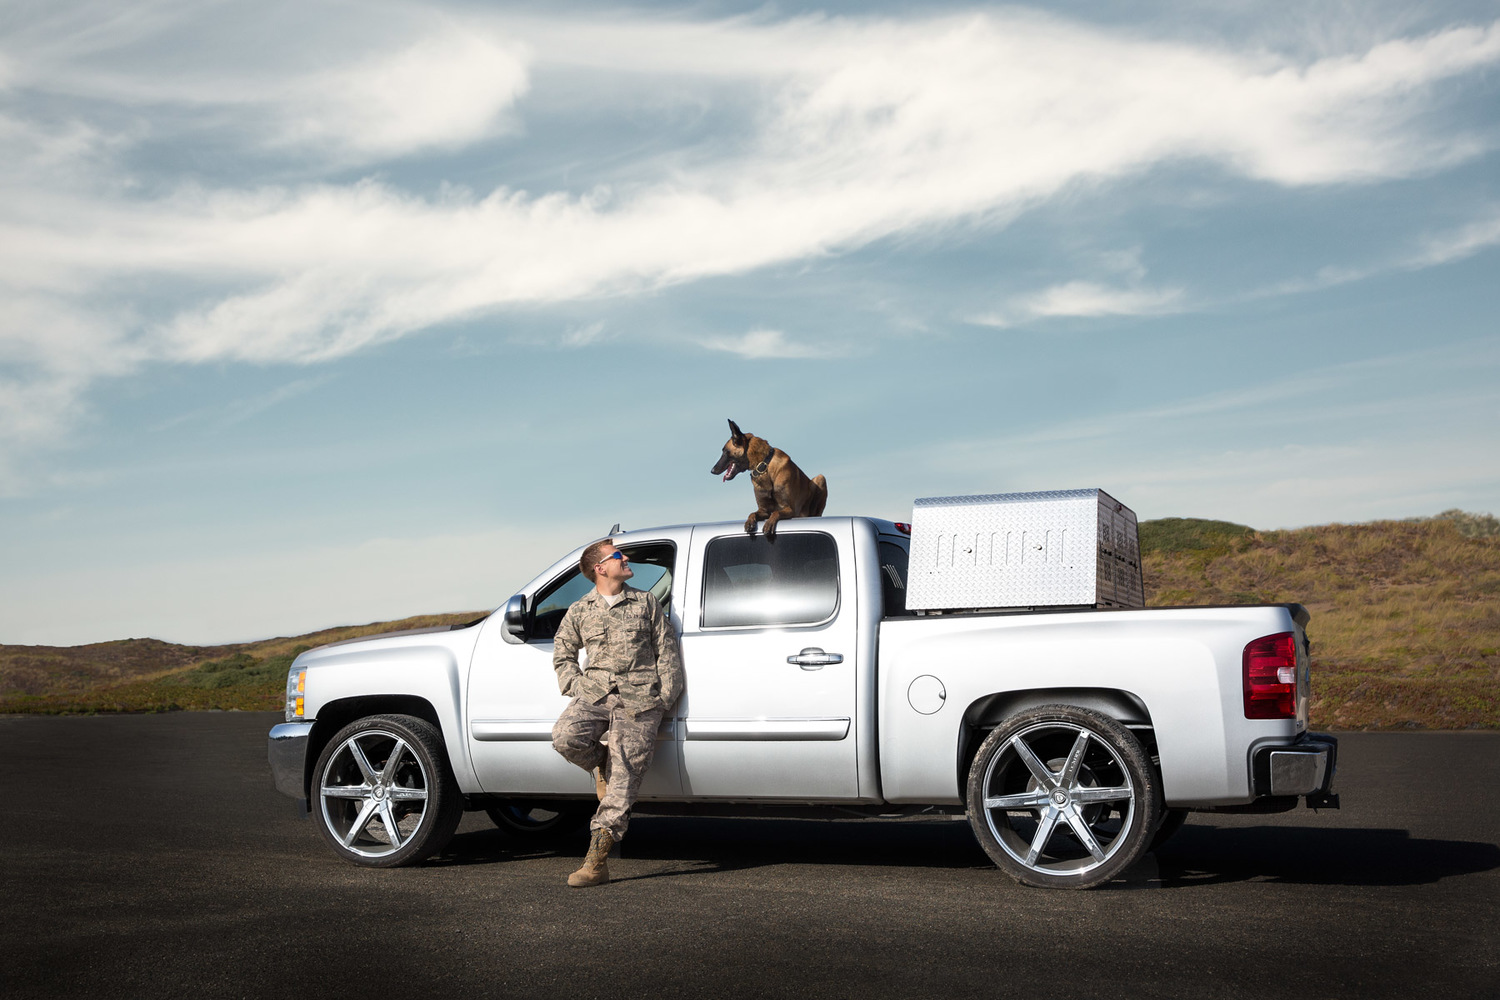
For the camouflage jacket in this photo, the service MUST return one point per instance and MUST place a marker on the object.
(631, 648)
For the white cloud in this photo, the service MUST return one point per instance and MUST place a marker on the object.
(1434, 250)
(762, 344)
(353, 80)
(1084, 299)
(862, 129)
(33, 413)
(582, 336)
(1478, 235)
(447, 89)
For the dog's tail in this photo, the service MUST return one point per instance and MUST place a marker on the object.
(820, 496)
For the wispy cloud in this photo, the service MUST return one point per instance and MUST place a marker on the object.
(237, 411)
(765, 344)
(1433, 250)
(1465, 241)
(1091, 299)
(582, 336)
(352, 81)
(446, 90)
(1083, 299)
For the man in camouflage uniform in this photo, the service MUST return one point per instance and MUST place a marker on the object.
(631, 677)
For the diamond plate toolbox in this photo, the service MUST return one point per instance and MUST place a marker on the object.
(1024, 550)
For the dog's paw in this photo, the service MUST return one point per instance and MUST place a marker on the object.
(751, 523)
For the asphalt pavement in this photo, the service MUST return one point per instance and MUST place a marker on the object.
(149, 856)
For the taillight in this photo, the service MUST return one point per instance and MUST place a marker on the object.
(904, 528)
(1271, 677)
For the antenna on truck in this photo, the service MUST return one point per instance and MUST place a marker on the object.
(616, 529)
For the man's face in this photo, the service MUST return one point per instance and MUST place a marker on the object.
(613, 565)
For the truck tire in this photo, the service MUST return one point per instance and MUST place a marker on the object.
(535, 823)
(383, 795)
(1062, 797)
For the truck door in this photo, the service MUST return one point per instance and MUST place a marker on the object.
(769, 630)
(513, 696)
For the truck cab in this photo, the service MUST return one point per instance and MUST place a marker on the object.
(773, 631)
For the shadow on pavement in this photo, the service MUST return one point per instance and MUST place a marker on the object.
(718, 844)
(1201, 855)
(1197, 855)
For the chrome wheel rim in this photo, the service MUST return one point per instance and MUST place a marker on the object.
(1058, 799)
(373, 793)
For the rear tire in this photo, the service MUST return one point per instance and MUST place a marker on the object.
(1171, 822)
(1062, 797)
(382, 793)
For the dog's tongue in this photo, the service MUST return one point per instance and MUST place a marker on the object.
(727, 473)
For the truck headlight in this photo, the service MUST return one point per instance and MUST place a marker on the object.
(296, 688)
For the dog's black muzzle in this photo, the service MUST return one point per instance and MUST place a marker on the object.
(727, 463)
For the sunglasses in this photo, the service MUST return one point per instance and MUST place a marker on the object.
(617, 554)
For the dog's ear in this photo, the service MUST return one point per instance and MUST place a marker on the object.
(735, 434)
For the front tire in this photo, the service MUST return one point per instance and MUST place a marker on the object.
(1062, 797)
(383, 795)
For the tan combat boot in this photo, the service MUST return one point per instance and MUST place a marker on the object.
(595, 870)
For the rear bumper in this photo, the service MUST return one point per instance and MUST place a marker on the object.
(286, 749)
(1303, 768)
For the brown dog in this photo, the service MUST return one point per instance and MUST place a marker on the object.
(781, 489)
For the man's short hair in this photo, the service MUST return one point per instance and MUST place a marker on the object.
(591, 557)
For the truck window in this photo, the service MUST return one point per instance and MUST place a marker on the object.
(893, 565)
(748, 580)
(652, 564)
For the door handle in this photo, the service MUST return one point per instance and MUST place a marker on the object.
(813, 658)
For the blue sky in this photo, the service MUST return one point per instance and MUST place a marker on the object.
(323, 313)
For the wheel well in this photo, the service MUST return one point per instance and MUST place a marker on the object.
(986, 713)
(338, 714)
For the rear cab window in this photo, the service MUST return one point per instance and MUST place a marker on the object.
(894, 559)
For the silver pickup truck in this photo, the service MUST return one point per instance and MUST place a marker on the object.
(1073, 738)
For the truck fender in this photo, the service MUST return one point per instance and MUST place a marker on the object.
(419, 680)
(984, 714)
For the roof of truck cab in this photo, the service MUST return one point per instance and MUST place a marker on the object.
(883, 526)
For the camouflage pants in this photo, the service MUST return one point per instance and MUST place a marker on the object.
(578, 736)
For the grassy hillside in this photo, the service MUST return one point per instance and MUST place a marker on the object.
(1405, 626)
(1405, 614)
(148, 675)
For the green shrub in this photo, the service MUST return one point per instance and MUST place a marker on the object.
(1192, 534)
(1470, 525)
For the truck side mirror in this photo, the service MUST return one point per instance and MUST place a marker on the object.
(514, 617)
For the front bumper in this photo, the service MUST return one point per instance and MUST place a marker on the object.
(1303, 768)
(286, 749)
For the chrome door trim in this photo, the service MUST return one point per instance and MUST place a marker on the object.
(536, 730)
(813, 730)
(511, 730)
